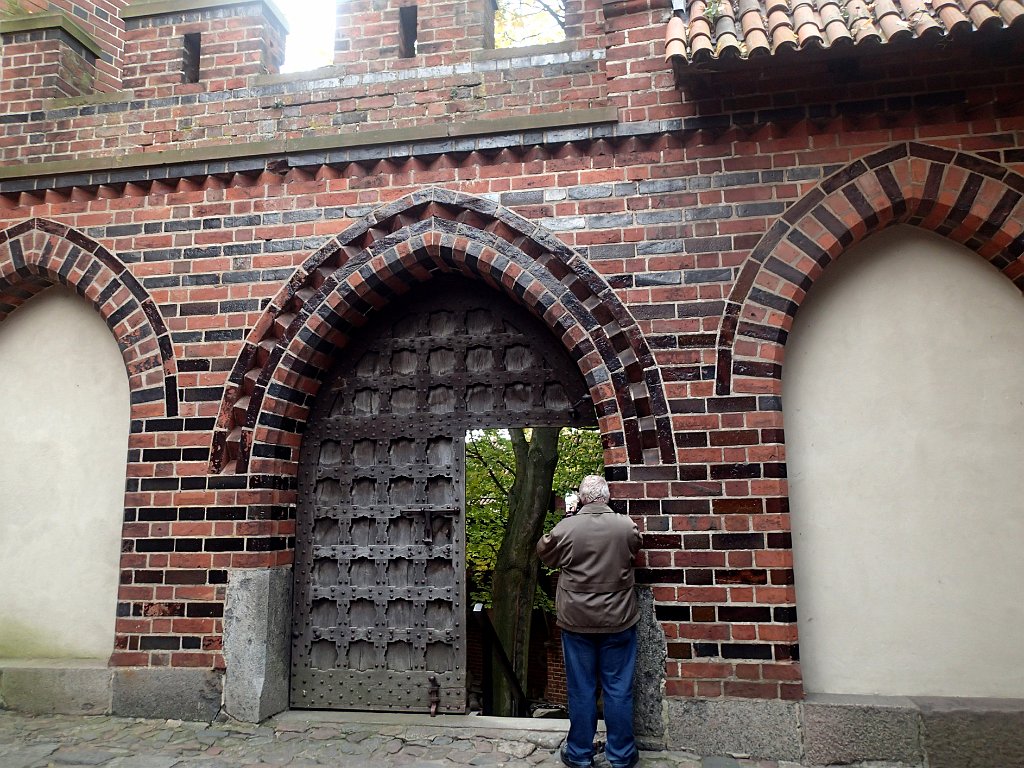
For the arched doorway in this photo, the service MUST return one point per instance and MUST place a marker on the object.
(379, 620)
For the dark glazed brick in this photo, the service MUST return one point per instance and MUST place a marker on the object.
(735, 471)
(737, 506)
(784, 614)
(685, 506)
(758, 614)
(786, 272)
(979, 165)
(680, 651)
(224, 545)
(696, 541)
(185, 577)
(746, 651)
(787, 653)
(703, 613)
(844, 177)
(886, 156)
(700, 577)
(731, 404)
(738, 540)
(792, 215)
(154, 545)
(661, 541)
(204, 610)
(672, 612)
(159, 643)
(741, 576)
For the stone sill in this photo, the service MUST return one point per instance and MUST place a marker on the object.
(413, 68)
(545, 49)
(143, 8)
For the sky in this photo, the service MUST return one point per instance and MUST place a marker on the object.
(311, 36)
(310, 41)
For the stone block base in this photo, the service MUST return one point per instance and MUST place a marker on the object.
(760, 728)
(826, 730)
(74, 687)
(167, 693)
(90, 687)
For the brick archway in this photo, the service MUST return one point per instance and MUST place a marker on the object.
(37, 253)
(968, 199)
(383, 256)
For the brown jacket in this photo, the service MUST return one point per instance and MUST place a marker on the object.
(594, 548)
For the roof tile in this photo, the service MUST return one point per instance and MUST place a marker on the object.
(709, 31)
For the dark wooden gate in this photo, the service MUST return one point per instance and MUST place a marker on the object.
(380, 612)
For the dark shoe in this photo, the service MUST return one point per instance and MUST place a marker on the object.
(628, 764)
(571, 763)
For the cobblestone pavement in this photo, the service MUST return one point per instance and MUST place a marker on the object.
(300, 740)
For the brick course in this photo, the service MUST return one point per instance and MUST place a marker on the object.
(669, 251)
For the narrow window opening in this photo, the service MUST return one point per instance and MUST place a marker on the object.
(407, 30)
(190, 65)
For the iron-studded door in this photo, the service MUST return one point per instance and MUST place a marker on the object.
(379, 619)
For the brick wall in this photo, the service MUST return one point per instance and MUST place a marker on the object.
(668, 250)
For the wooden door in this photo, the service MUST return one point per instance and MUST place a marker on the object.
(380, 612)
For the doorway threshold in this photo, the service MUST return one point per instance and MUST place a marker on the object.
(486, 723)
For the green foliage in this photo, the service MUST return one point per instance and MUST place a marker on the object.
(713, 10)
(528, 22)
(490, 470)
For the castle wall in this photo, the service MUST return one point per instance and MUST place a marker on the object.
(690, 223)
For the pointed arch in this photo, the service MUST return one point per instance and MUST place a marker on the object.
(37, 253)
(966, 198)
(384, 255)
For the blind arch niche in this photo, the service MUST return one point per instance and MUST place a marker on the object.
(904, 419)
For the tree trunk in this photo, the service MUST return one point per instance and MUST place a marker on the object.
(515, 573)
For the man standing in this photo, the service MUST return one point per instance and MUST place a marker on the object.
(597, 612)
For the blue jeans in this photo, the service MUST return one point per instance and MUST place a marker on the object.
(608, 660)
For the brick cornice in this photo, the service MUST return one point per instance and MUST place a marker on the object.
(224, 152)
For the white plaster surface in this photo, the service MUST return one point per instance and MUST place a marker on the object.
(904, 416)
(64, 436)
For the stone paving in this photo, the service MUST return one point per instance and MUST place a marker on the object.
(300, 740)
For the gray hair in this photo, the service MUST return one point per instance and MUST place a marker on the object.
(594, 488)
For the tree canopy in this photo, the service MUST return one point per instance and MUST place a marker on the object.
(528, 22)
(490, 472)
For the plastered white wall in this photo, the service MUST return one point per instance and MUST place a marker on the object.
(64, 436)
(903, 396)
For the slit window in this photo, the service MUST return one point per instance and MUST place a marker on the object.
(407, 30)
(190, 64)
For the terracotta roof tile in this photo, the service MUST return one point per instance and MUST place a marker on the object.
(708, 31)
